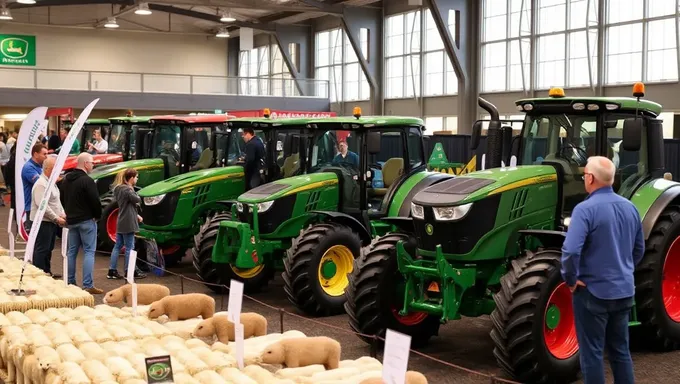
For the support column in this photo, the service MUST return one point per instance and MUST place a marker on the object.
(353, 20)
(233, 53)
(299, 67)
(463, 50)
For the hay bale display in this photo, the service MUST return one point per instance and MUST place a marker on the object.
(48, 293)
(107, 344)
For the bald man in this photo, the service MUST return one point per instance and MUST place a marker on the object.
(604, 244)
(53, 218)
(80, 198)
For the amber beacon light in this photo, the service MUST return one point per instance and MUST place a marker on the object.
(357, 112)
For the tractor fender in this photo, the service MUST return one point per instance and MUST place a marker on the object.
(403, 223)
(349, 221)
(655, 210)
(226, 203)
(549, 238)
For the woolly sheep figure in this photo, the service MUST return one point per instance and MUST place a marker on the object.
(31, 371)
(37, 317)
(234, 375)
(93, 351)
(146, 294)
(47, 358)
(254, 324)
(69, 352)
(303, 351)
(183, 307)
(259, 374)
(121, 368)
(97, 371)
(210, 377)
(184, 378)
(71, 373)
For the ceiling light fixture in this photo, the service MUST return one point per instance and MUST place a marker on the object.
(143, 9)
(227, 17)
(5, 14)
(26, 1)
(111, 23)
(14, 116)
(222, 33)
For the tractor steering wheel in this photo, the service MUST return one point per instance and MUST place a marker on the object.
(582, 156)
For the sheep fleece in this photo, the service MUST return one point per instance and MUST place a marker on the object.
(304, 351)
(183, 307)
(146, 294)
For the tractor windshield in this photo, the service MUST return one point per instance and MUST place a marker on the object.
(340, 148)
(116, 138)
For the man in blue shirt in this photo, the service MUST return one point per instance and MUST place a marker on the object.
(29, 175)
(346, 156)
(604, 243)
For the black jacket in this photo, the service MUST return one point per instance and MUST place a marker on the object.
(254, 157)
(80, 197)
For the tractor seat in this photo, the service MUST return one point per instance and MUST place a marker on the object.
(204, 161)
(290, 165)
(391, 171)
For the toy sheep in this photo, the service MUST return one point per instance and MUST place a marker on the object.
(69, 352)
(210, 377)
(121, 368)
(71, 373)
(97, 371)
(254, 324)
(233, 375)
(47, 358)
(183, 307)
(303, 351)
(146, 294)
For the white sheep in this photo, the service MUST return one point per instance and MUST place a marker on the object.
(57, 316)
(214, 360)
(210, 377)
(38, 339)
(37, 317)
(32, 374)
(69, 352)
(190, 361)
(18, 318)
(47, 357)
(97, 371)
(57, 334)
(137, 330)
(93, 351)
(184, 378)
(259, 374)
(233, 374)
(121, 368)
(71, 373)
(119, 333)
(98, 334)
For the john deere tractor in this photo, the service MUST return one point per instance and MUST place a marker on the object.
(488, 242)
(174, 210)
(313, 226)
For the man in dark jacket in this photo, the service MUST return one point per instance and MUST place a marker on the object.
(80, 199)
(254, 159)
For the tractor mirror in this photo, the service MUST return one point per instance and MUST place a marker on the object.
(373, 142)
(632, 134)
(476, 134)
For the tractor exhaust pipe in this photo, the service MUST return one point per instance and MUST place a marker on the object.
(494, 137)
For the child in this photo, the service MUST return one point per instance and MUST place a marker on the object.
(128, 220)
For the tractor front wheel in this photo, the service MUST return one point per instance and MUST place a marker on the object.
(316, 268)
(106, 236)
(216, 276)
(375, 295)
(533, 324)
(657, 277)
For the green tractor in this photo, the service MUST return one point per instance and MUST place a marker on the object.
(489, 242)
(313, 226)
(176, 209)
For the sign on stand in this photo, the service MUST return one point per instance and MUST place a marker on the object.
(132, 263)
(159, 370)
(395, 357)
(234, 315)
(64, 253)
(10, 235)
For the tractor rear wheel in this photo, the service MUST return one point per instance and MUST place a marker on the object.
(106, 236)
(533, 324)
(216, 276)
(375, 295)
(172, 254)
(657, 277)
(316, 268)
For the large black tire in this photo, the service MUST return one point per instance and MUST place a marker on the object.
(302, 262)
(104, 242)
(372, 295)
(658, 330)
(519, 321)
(221, 274)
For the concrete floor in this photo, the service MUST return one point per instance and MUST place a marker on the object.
(465, 343)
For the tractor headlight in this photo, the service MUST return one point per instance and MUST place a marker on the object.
(153, 200)
(451, 213)
(417, 211)
(263, 207)
(239, 207)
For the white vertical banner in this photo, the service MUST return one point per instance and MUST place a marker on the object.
(245, 39)
(132, 265)
(64, 254)
(30, 129)
(59, 164)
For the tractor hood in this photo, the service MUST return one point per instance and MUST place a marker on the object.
(288, 186)
(477, 185)
(107, 158)
(191, 179)
(112, 169)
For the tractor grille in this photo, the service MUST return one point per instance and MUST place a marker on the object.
(201, 195)
(269, 221)
(518, 204)
(163, 213)
(458, 237)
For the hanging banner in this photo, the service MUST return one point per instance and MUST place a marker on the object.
(28, 136)
(59, 164)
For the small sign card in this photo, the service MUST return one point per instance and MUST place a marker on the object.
(132, 263)
(64, 253)
(9, 221)
(235, 301)
(159, 369)
(238, 335)
(395, 357)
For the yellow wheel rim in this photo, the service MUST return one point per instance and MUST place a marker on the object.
(247, 273)
(336, 263)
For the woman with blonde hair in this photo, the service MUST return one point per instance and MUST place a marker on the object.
(128, 220)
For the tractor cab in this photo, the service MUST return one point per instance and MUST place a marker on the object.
(123, 134)
(371, 156)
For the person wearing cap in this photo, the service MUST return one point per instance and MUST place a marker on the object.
(345, 155)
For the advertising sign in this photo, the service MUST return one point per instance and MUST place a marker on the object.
(17, 50)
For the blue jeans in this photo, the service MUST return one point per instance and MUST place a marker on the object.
(85, 234)
(122, 239)
(603, 324)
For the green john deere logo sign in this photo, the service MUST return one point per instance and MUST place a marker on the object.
(429, 229)
(159, 371)
(17, 50)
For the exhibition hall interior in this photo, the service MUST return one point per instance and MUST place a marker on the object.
(339, 191)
